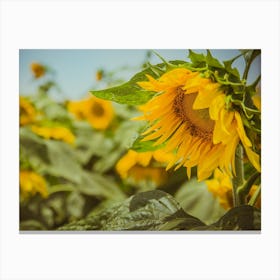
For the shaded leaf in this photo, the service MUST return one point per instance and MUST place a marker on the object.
(143, 211)
(196, 200)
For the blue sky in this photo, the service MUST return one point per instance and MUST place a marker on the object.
(75, 69)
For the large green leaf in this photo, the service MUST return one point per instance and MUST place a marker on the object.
(143, 211)
(130, 93)
(157, 210)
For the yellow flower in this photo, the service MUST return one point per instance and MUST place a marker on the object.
(32, 183)
(144, 166)
(98, 112)
(221, 187)
(57, 133)
(38, 70)
(27, 111)
(99, 75)
(190, 115)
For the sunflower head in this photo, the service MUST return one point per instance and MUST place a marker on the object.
(27, 111)
(193, 116)
(38, 70)
(57, 133)
(98, 112)
(31, 183)
(144, 166)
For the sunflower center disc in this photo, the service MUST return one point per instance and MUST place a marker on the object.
(97, 109)
(199, 121)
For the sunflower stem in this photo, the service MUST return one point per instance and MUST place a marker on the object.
(239, 177)
(244, 190)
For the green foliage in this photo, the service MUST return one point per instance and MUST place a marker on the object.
(196, 200)
(159, 211)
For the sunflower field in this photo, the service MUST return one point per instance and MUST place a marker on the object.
(176, 147)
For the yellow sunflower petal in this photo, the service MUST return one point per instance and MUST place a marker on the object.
(205, 96)
(253, 157)
(241, 132)
(216, 106)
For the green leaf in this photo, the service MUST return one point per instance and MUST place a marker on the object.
(244, 217)
(145, 146)
(91, 143)
(63, 162)
(196, 200)
(107, 162)
(157, 210)
(130, 93)
(94, 184)
(197, 59)
(143, 211)
(230, 70)
(211, 61)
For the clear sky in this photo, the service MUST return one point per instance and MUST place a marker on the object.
(75, 69)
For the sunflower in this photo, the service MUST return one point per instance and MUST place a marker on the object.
(192, 115)
(38, 70)
(99, 75)
(144, 166)
(98, 112)
(57, 133)
(221, 187)
(27, 111)
(32, 183)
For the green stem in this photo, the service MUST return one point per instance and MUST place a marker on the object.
(243, 190)
(249, 61)
(239, 178)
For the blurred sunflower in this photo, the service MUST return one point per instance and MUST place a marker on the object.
(98, 112)
(57, 133)
(191, 114)
(221, 187)
(27, 111)
(32, 183)
(144, 166)
(38, 70)
(99, 75)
